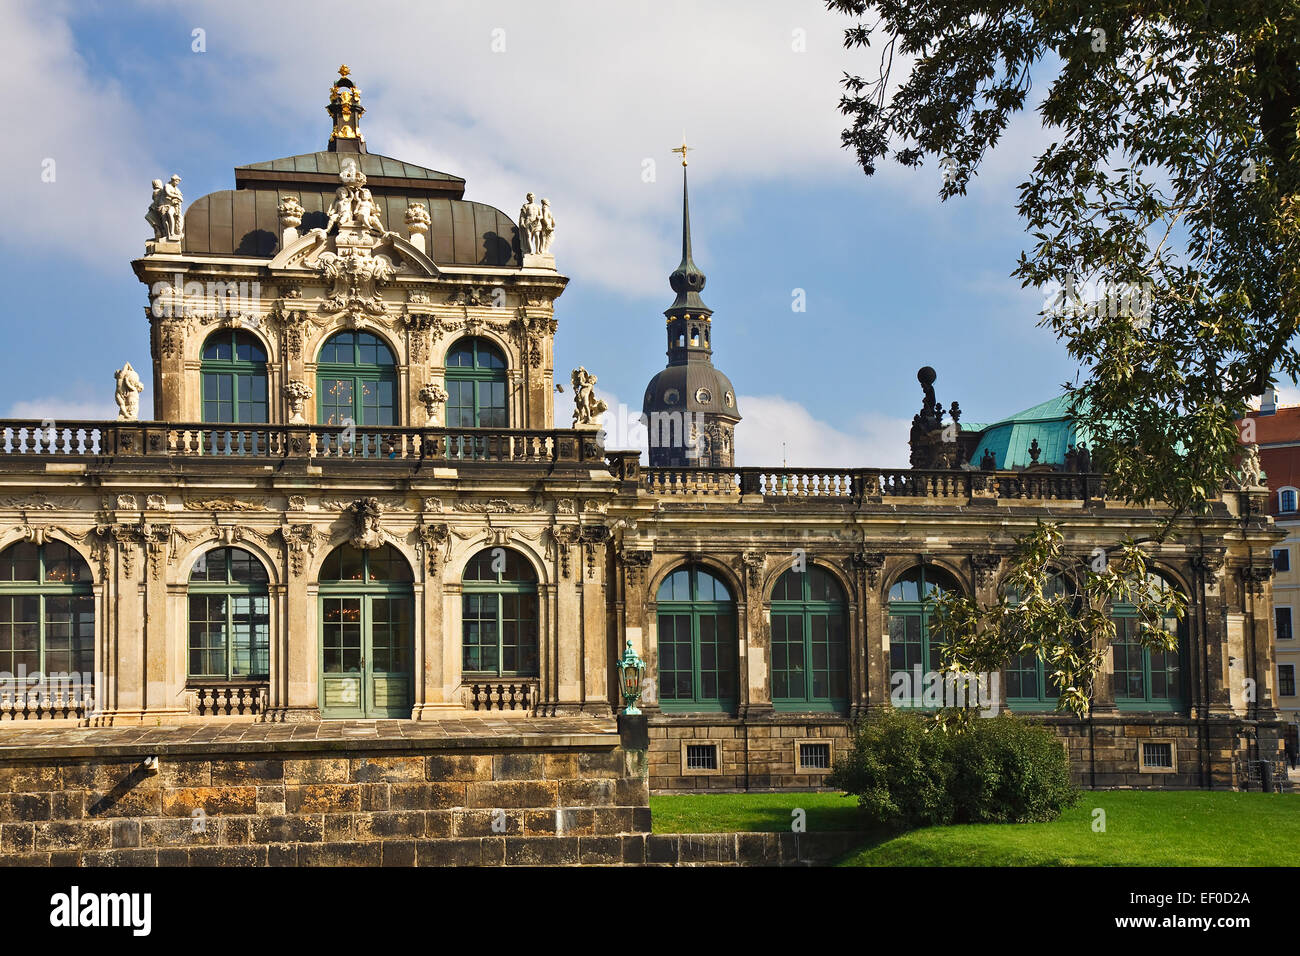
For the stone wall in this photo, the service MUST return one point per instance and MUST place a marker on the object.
(759, 753)
(754, 754)
(455, 801)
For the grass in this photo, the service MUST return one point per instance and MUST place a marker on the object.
(1143, 828)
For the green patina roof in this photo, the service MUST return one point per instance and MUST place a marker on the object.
(1050, 423)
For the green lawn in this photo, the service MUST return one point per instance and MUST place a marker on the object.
(1143, 828)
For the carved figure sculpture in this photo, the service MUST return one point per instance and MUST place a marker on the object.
(586, 407)
(530, 224)
(127, 393)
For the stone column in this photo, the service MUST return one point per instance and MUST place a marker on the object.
(871, 658)
(300, 642)
(128, 639)
(754, 639)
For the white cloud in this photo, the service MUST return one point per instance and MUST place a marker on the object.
(775, 428)
(87, 129)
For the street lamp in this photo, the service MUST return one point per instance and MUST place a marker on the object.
(631, 668)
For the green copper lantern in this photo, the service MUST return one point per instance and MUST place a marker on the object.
(631, 668)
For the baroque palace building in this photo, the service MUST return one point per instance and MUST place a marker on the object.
(352, 500)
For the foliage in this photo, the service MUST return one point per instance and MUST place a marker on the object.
(1068, 628)
(899, 768)
(1175, 172)
(906, 771)
(1009, 771)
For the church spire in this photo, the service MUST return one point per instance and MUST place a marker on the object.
(345, 110)
(687, 280)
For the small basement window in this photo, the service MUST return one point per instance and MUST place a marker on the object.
(699, 758)
(1156, 756)
(812, 757)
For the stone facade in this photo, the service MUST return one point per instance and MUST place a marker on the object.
(142, 503)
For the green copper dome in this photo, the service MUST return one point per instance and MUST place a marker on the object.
(1050, 423)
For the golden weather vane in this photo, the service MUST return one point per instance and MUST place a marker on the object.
(683, 149)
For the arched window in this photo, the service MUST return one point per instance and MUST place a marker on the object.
(47, 611)
(697, 642)
(1029, 679)
(912, 654)
(230, 617)
(1147, 680)
(234, 378)
(476, 385)
(809, 644)
(356, 380)
(499, 634)
(367, 633)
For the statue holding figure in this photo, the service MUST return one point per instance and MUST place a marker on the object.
(165, 210)
(127, 393)
(587, 408)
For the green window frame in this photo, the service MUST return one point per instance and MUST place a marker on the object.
(366, 633)
(499, 615)
(1029, 686)
(229, 618)
(809, 615)
(356, 378)
(1144, 680)
(698, 670)
(911, 612)
(47, 611)
(476, 385)
(233, 376)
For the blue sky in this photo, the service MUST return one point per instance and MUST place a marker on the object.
(582, 94)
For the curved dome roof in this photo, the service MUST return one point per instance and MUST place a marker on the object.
(243, 221)
(693, 387)
(1051, 423)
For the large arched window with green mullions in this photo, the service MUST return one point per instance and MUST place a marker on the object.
(697, 642)
(810, 655)
(233, 371)
(476, 385)
(367, 636)
(230, 617)
(1146, 680)
(1029, 679)
(47, 611)
(356, 381)
(499, 629)
(912, 653)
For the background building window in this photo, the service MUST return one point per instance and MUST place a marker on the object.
(809, 645)
(1286, 680)
(1281, 559)
(1286, 499)
(1029, 679)
(1282, 623)
(230, 617)
(1145, 679)
(47, 610)
(499, 632)
(697, 642)
(476, 385)
(911, 607)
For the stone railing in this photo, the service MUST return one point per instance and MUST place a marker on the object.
(375, 443)
(872, 484)
(228, 700)
(70, 705)
(505, 694)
